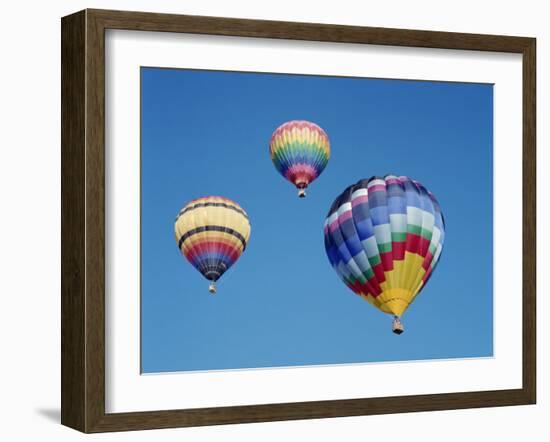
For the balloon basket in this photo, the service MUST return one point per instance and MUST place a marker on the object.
(301, 193)
(397, 326)
(212, 288)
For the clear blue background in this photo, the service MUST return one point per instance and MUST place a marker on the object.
(207, 133)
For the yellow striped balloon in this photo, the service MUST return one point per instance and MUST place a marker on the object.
(212, 232)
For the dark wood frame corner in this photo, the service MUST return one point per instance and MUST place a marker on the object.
(83, 210)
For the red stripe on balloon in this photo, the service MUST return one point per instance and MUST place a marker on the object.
(417, 244)
(370, 287)
(427, 275)
(412, 243)
(379, 273)
(301, 173)
(398, 251)
(203, 247)
(387, 260)
(424, 246)
(427, 261)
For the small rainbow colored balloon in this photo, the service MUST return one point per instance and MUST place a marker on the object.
(300, 151)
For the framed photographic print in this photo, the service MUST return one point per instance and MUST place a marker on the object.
(268, 220)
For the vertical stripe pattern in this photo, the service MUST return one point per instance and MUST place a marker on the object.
(384, 237)
(212, 233)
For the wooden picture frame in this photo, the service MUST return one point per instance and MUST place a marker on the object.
(83, 210)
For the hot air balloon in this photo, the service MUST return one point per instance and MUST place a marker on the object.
(212, 233)
(300, 151)
(384, 238)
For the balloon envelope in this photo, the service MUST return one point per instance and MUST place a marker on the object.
(300, 151)
(384, 237)
(212, 233)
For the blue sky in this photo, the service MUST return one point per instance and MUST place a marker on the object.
(207, 133)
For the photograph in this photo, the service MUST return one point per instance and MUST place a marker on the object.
(306, 220)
